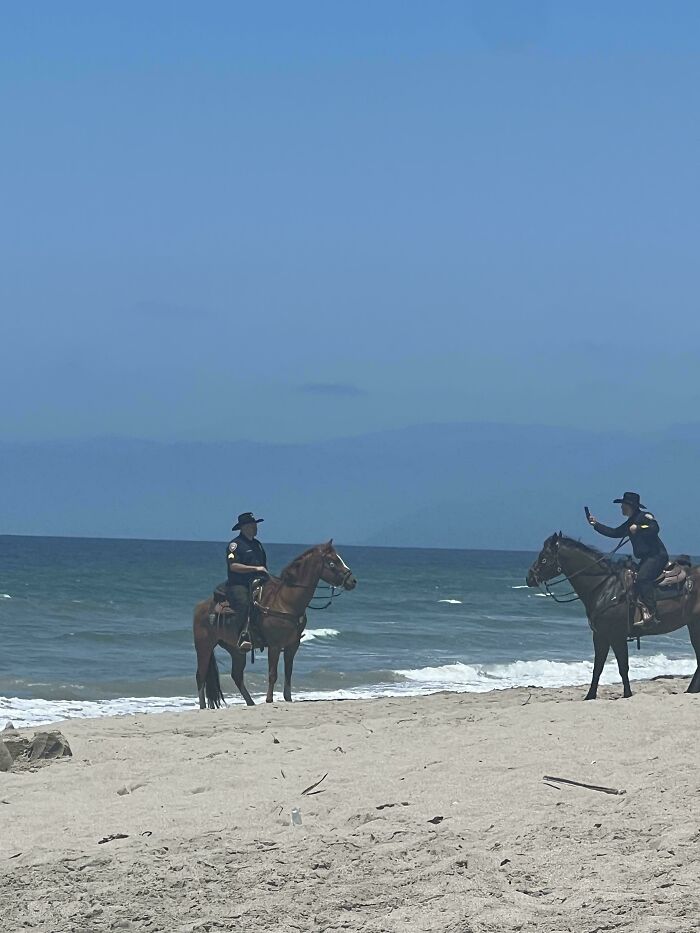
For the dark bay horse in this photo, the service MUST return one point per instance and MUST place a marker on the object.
(599, 583)
(281, 619)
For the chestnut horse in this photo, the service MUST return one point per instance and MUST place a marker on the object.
(599, 584)
(279, 616)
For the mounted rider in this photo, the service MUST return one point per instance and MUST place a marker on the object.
(643, 531)
(246, 561)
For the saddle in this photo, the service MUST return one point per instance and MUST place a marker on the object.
(223, 614)
(673, 582)
(674, 574)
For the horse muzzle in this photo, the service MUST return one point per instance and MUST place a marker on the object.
(531, 578)
(350, 583)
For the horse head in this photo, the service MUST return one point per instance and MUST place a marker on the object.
(322, 562)
(546, 566)
(335, 571)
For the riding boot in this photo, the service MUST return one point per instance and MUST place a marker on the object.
(647, 619)
(244, 640)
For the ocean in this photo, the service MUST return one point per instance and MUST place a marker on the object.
(97, 627)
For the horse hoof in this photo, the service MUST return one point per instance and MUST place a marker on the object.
(627, 694)
(590, 696)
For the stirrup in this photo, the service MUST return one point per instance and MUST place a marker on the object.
(244, 642)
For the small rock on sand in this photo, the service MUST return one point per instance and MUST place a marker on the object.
(6, 759)
(15, 743)
(47, 745)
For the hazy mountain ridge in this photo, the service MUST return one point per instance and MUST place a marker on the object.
(459, 485)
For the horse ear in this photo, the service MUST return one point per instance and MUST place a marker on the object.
(328, 546)
(560, 536)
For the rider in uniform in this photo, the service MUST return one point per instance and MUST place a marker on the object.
(643, 531)
(246, 560)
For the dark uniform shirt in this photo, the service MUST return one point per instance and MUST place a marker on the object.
(244, 551)
(645, 541)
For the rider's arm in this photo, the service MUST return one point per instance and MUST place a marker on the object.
(243, 568)
(620, 532)
(648, 526)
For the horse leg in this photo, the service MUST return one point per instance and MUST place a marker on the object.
(694, 629)
(601, 643)
(204, 650)
(289, 654)
(273, 656)
(622, 655)
(238, 659)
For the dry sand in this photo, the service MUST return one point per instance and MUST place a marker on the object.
(433, 816)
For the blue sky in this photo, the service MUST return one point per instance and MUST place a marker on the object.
(289, 220)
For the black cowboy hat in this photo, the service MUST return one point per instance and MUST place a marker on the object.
(630, 498)
(246, 518)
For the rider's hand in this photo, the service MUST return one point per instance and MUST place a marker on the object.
(592, 520)
(633, 529)
(263, 570)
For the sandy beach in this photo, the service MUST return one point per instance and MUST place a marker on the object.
(433, 816)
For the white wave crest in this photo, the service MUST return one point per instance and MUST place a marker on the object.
(520, 586)
(458, 677)
(452, 602)
(5, 596)
(481, 678)
(311, 633)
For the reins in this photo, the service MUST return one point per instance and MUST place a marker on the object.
(280, 613)
(584, 571)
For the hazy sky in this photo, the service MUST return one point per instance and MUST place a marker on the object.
(280, 220)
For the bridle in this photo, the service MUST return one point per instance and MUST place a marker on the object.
(584, 571)
(330, 565)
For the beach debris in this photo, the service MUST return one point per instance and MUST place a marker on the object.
(111, 838)
(311, 787)
(6, 759)
(9, 727)
(385, 806)
(15, 743)
(48, 745)
(275, 740)
(603, 790)
(436, 819)
(340, 749)
(296, 816)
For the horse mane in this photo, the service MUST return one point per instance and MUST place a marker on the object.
(289, 574)
(606, 560)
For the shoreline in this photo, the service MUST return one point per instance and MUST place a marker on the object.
(433, 815)
(28, 712)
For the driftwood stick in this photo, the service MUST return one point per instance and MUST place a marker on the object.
(603, 790)
(312, 786)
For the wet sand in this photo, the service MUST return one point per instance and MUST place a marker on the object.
(433, 816)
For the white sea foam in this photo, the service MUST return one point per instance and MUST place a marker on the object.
(520, 586)
(458, 677)
(5, 596)
(311, 633)
(481, 678)
(452, 602)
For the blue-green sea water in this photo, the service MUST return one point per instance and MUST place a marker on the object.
(92, 627)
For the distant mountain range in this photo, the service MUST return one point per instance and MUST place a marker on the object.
(439, 485)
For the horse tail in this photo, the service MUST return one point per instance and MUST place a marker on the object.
(212, 685)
